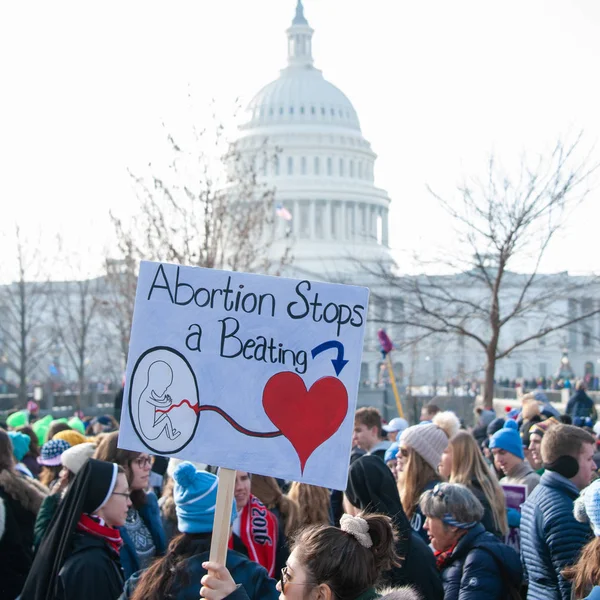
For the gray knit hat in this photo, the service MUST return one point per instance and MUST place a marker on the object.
(431, 439)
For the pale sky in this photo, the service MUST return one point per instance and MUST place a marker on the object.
(437, 86)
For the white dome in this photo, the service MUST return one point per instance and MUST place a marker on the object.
(301, 95)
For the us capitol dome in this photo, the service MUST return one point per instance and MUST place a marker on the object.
(322, 171)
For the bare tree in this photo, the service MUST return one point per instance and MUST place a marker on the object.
(501, 224)
(25, 337)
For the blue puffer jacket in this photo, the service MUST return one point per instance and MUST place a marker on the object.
(551, 538)
(250, 575)
(481, 566)
(150, 514)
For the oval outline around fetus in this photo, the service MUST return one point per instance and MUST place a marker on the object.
(153, 421)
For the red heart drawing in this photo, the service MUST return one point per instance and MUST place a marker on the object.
(307, 418)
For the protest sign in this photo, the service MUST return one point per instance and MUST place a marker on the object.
(514, 495)
(244, 371)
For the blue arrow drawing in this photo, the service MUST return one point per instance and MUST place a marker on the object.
(338, 363)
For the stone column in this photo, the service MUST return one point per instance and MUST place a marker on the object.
(327, 220)
(356, 232)
(311, 216)
(385, 239)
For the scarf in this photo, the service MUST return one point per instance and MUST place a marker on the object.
(442, 557)
(258, 531)
(97, 528)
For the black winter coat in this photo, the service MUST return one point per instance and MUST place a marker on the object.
(91, 572)
(481, 567)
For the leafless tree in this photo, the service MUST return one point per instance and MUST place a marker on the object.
(25, 336)
(501, 223)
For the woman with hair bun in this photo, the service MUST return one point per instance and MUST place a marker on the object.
(328, 563)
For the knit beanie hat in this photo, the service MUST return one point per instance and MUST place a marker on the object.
(508, 439)
(75, 457)
(17, 419)
(430, 440)
(495, 425)
(20, 443)
(51, 452)
(77, 424)
(195, 494)
(41, 427)
(70, 436)
(392, 452)
(592, 506)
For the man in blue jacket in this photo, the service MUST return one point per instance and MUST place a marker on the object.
(551, 538)
(580, 404)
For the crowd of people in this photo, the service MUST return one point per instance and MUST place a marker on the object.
(424, 515)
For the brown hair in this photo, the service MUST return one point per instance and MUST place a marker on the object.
(267, 490)
(585, 573)
(108, 451)
(313, 503)
(336, 558)
(7, 459)
(34, 445)
(432, 409)
(167, 508)
(54, 428)
(564, 440)
(49, 474)
(468, 465)
(368, 416)
(413, 479)
(156, 581)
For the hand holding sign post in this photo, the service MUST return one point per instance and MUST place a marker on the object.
(244, 372)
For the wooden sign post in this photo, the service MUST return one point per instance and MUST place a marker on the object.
(221, 525)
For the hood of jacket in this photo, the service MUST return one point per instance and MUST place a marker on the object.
(403, 593)
(507, 558)
(29, 493)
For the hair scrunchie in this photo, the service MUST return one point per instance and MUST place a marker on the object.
(357, 527)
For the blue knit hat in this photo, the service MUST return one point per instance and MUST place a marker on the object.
(195, 495)
(52, 451)
(508, 439)
(592, 505)
(392, 452)
(20, 443)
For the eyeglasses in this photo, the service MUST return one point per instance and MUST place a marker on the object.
(126, 494)
(405, 452)
(144, 461)
(285, 580)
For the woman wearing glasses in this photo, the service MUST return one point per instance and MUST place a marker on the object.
(143, 534)
(328, 563)
(79, 556)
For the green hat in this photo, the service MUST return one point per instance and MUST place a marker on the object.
(77, 424)
(18, 419)
(41, 428)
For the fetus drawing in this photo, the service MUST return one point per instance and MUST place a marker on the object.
(154, 421)
(163, 400)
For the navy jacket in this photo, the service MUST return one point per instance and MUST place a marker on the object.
(253, 578)
(481, 566)
(150, 514)
(580, 405)
(551, 538)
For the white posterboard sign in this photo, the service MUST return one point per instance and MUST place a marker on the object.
(244, 371)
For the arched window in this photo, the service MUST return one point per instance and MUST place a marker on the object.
(329, 166)
(276, 165)
(290, 165)
(351, 168)
(303, 165)
(317, 165)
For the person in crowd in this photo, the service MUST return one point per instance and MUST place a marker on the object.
(71, 436)
(79, 556)
(177, 575)
(101, 424)
(395, 427)
(49, 458)
(419, 456)
(581, 405)
(168, 515)
(474, 564)
(267, 490)
(551, 537)
(495, 425)
(72, 461)
(428, 412)
(367, 432)
(30, 459)
(484, 419)
(268, 549)
(20, 443)
(55, 427)
(372, 489)
(143, 535)
(463, 463)
(20, 500)
(313, 503)
(536, 433)
(584, 575)
(507, 448)
(391, 459)
(328, 563)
